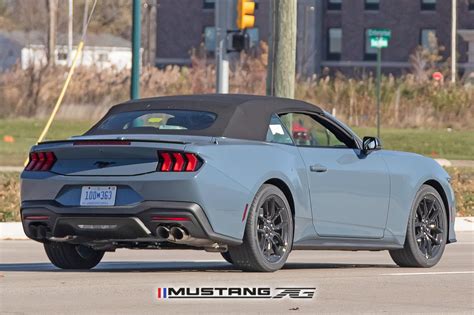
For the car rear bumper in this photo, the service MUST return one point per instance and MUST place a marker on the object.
(49, 220)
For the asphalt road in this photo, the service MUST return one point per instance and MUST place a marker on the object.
(127, 282)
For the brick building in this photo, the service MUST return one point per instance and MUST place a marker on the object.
(331, 33)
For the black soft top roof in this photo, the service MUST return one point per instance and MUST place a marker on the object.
(238, 116)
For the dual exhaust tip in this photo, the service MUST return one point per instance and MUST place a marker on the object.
(174, 234)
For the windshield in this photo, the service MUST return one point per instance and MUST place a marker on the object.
(162, 119)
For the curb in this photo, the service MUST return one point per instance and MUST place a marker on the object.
(14, 230)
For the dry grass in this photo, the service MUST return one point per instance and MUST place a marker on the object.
(9, 197)
(406, 101)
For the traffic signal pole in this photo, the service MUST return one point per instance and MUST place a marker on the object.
(136, 43)
(222, 60)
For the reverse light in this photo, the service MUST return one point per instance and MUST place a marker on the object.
(175, 161)
(40, 161)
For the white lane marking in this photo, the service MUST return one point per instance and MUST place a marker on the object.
(426, 273)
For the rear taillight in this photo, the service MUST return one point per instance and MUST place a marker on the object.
(40, 161)
(174, 161)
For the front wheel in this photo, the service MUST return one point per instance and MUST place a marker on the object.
(427, 231)
(268, 236)
(69, 256)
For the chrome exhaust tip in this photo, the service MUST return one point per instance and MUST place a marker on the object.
(163, 232)
(179, 234)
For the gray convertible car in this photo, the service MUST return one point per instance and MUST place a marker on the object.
(251, 177)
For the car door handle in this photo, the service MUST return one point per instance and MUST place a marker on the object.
(318, 168)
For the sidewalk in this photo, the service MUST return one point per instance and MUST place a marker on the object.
(14, 230)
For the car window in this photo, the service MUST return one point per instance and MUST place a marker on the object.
(277, 133)
(159, 119)
(306, 131)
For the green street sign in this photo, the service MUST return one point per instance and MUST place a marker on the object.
(378, 42)
(379, 37)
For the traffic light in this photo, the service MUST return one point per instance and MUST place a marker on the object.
(245, 14)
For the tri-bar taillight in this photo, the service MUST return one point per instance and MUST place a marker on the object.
(175, 161)
(40, 161)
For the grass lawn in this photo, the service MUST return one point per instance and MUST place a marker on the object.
(26, 132)
(455, 145)
(438, 143)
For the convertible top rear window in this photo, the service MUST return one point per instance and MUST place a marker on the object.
(155, 120)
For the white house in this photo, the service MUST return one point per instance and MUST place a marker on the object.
(29, 49)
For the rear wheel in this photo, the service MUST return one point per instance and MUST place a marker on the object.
(426, 232)
(268, 234)
(69, 256)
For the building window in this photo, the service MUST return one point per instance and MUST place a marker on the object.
(471, 5)
(334, 4)
(103, 57)
(428, 5)
(62, 56)
(209, 4)
(428, 39)
(369, 52)
(210, 38)
(334, 44)
(372, 5)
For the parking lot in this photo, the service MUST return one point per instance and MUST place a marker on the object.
(127, 282)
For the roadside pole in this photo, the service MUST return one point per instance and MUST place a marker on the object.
(136, 43)
(453, 40)
(379, 71)
(379, 39)
(282, 49)
(222, 60)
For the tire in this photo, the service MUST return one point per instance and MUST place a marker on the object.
(226, 256)
(68, 256)
(427, 228)
(268, 235)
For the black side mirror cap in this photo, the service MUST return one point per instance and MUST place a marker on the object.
(371, 144)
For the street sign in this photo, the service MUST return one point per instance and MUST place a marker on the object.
(379, 37)
(438, 76)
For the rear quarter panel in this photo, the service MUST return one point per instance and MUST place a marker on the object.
(236, 169)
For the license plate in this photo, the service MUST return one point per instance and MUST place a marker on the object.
(98, 195)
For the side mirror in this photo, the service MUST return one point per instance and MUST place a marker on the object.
(371, 144)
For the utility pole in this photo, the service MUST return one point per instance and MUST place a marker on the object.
(453, 40)
(53, 10)
(69, 33)
(136, 39)
(222, 59)
(282, 49)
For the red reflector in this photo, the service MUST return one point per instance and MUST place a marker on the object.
(192, 162)
(179, 162)
(166, 165)
(163, 218)
(37, 217)
(101, 142)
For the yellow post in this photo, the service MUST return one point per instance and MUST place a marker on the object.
(61, 96)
